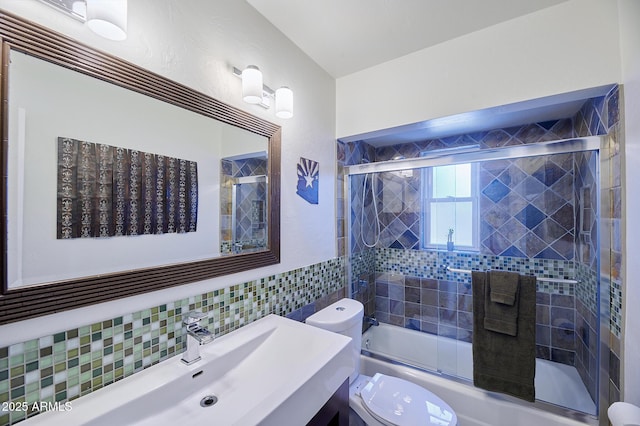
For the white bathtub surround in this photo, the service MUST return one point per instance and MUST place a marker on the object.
(474, 407)
(555, 383)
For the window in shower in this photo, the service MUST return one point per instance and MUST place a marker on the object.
(450, 206)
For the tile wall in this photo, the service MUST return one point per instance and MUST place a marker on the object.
(74, 362)
(542, 209)
(418, 292)
(587, 269)
(527, 204)
(611, 207)
(251, 230)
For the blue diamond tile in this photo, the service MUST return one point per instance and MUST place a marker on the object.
(549, 231)
(513, 230)
(552, 173)
(512, 176)
(496, 243)
(530, 133)
(530, 216)
(513, 252)
(495, 138)
(530, 244)
(548, 125)
(513, 203)
(485, 229)
(549, 173)
(495, 167)
(612, 108)
(565, 217)
(408, 239)
(396, 245)
(493, 215)
(565, 246)
(548, 202)
(565, 161)
(563, 129)
(495, 191)
(530, 188)
(564, 187)
(548, 253)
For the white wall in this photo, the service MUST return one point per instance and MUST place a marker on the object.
(564, 48)
(630, 52)
(197, 43)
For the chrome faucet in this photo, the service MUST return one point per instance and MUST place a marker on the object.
(371, 320)
(196, 335)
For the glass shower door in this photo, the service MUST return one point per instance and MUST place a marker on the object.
(248, 220)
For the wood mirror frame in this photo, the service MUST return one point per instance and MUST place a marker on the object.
(17, 304)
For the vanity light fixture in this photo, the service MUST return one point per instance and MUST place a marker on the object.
(284, 102)
(108, 18)
(254, 91)
(252, 85)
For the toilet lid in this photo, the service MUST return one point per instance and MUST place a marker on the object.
(401, 403)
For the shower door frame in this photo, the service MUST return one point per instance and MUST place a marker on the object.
(475, 155)
(236, 184)
(599, 144)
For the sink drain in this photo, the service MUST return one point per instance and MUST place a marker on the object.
(208, 401)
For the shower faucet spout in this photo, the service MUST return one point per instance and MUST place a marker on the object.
(371, 320)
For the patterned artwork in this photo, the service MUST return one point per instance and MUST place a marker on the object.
(308, 173)
(106, 191)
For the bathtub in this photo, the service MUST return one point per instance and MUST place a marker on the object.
(561, 397)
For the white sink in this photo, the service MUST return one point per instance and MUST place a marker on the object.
(274, 371)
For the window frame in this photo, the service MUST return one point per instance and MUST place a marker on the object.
(428, 199)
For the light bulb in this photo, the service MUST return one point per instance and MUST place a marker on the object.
(108, 18)
(252, 85)
(284, 102)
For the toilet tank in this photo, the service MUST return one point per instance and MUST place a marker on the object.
(343, 317)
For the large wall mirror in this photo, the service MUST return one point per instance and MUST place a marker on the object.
(118, 181)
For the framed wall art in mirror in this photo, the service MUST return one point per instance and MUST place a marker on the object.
(102, 159)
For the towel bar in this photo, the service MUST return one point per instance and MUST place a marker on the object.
(542, 279)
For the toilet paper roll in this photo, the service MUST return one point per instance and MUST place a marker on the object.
(624, 414)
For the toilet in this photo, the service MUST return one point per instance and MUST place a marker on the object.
(624, 414)
(381, 399)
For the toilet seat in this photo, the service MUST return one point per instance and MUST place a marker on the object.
(395, 401)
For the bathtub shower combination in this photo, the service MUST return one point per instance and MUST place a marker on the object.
(419, 226)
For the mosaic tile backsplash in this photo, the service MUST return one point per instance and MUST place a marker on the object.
(74, 362)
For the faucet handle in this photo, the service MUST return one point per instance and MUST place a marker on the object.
(193, 317)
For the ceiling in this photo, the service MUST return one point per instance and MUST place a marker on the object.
(345, 36)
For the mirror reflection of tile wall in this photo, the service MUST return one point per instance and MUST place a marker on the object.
(243, 224)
